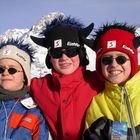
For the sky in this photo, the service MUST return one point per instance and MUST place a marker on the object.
(24, 13)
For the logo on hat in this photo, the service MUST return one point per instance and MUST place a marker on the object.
(128, 48)
(6, 52)
(99, 50)
(21, 56)
(57, 43)
(111, 44)
(72, 44)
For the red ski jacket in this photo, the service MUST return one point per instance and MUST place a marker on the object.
(64, 100)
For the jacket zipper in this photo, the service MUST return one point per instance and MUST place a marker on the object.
(129, 113)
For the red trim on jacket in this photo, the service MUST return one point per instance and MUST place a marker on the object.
(29, 121)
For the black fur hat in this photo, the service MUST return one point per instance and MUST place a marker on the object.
(65, 32)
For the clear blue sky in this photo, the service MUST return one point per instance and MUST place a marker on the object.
(25, 13)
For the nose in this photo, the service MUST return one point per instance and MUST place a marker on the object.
(114, 62)
(64, 56)
(5, 72)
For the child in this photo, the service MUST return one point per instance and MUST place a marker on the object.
(20, 118)
(114, 112)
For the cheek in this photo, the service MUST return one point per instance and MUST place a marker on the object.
(127, 68)
(76, 60)
(104, 70)
(54, 62)
(19, 78)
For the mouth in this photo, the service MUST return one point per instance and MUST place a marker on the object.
(115, 72)
(3, 80)
(65, 65)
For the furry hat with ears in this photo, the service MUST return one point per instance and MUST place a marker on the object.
(65, 28)
(116, 37)
(64, 32)
(19, 52)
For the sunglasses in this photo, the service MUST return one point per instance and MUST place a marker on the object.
(70, 52)
(107, 60)
(10, 70)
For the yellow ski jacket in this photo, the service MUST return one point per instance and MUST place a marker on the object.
(114, 103)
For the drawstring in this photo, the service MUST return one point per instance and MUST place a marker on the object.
(7, 116)
(129, 113)
(121, 107)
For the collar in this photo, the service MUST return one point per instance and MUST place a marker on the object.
(9, 95)
(115, 91)
(65, 80)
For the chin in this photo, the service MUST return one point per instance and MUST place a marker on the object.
(66, 73)
(9, 88)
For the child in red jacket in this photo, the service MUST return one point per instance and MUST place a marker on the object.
(65, 94)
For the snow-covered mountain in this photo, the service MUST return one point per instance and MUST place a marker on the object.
(38, 68)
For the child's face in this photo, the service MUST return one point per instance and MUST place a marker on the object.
(13, 81)
(116, 67)
(66, 65)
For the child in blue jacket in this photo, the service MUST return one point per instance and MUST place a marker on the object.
(20, 118)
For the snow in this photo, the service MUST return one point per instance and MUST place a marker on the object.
(38, 68)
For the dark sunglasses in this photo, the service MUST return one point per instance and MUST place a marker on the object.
(70, 52)
(10, 70)
(107, 60)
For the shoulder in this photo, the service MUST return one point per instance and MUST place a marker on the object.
(30, 105)
(92, 78)
(41, 80)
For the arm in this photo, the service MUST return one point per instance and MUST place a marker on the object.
(99, 130)
(41, 131)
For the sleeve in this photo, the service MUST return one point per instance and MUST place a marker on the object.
(97, 126)
(99, 130)
(41, 130)
(31, 125)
